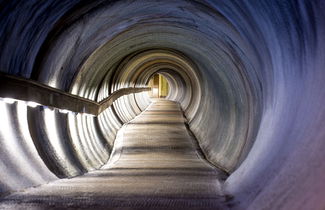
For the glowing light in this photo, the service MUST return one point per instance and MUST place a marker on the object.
(155, 92)
(64, 111)
(9, 100)
(88, 115)
(32, 104)
(73, 113)
(35, 104)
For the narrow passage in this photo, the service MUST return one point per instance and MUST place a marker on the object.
(155, 165)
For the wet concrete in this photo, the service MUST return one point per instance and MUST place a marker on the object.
(155, 164)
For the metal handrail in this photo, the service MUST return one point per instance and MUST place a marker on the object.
(28, 90)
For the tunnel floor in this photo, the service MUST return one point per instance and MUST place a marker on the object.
(156, 164)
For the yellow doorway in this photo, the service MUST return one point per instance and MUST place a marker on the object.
(159, 86)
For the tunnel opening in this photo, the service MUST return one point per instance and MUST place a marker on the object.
(159, 86)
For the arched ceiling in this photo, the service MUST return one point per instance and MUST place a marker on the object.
(248, 74)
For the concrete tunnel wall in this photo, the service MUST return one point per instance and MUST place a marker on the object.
(248, 74)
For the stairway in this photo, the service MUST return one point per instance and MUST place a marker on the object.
(155, 164)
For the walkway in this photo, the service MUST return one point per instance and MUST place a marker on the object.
(155, 165)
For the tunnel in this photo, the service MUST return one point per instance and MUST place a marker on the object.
(246, 76)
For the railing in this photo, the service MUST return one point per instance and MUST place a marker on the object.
(30, 91)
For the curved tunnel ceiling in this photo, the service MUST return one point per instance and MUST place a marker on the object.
(248, 75)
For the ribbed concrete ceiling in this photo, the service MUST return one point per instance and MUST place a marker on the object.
(248, 74)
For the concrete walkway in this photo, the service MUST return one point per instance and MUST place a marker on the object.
(155, 165)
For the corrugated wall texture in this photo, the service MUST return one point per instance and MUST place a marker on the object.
(249, 76)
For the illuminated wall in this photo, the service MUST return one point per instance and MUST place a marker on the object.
(163, 86)
(249, 76)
